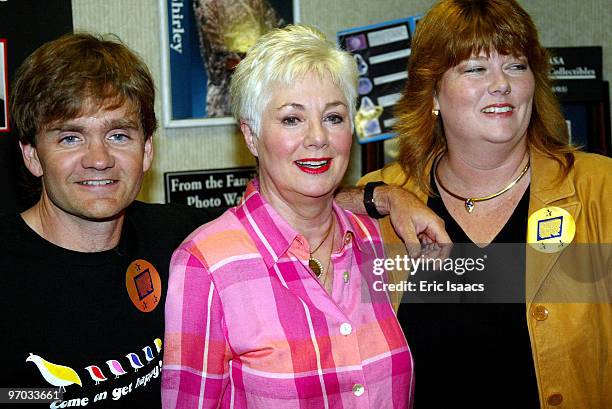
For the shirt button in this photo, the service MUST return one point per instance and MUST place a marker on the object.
(358, 389)
(539, 312)
(554, 399)
(346, 329)
(345, 276)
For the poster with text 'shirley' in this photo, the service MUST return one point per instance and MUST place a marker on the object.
(202, 43)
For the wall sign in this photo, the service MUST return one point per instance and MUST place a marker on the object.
(577, 81)
(576, 72)
(208, 189)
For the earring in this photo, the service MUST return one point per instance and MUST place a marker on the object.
(435, 112)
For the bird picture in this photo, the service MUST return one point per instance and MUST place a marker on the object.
(57, 375)
(227, 29)
(148, 353)
(96, 374)
(134, 361)
(116, 368)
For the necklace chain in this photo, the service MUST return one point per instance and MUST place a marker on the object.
(324, 273)
(313, 262)
(470, 202)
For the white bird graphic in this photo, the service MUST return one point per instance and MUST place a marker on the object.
(116, 368)
(134, 361)
(56, 375)
(148, 353)
(96, 374)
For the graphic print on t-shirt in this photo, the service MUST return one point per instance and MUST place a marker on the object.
(56, 375)
(143, 285)
(115, 368)
(134, 361)
(96, 374)
(65, 377)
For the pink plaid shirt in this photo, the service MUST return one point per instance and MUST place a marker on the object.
(248, 325)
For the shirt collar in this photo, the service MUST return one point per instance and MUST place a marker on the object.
(273, 236)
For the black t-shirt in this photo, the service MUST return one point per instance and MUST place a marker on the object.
(78, 321)
(472, 349)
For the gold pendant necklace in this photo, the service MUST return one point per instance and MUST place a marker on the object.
(323, 277)
(470, 202)
(314, 263)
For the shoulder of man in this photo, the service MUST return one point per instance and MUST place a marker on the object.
(166, 223)
(171, 214)
(9, 225)
(224, 226)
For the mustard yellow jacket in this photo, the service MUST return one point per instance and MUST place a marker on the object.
(569, 293)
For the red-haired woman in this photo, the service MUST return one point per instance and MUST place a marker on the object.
(484, 143)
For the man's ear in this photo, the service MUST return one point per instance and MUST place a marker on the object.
(30, 158)
(249, 137)
(148, 154)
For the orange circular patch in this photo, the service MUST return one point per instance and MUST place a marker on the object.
(143, 285)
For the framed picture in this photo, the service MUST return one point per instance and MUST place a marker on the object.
(4, 122)
(381, 52)
(202, 42)
(214, 189)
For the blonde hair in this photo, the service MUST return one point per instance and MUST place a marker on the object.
(281, 57)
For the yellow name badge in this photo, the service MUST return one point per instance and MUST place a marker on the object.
(550, 229)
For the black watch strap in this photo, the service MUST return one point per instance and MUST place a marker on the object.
(368, 199)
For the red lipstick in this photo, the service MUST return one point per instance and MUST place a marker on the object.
(313, 166)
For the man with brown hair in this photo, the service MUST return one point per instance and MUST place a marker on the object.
(84, 270)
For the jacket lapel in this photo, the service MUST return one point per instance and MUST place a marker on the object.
(547, 189)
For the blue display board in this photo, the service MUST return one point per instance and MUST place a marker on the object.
(381, 52)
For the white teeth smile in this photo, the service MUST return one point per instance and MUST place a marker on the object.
(312, 164)
(496, 110)
(97, 182)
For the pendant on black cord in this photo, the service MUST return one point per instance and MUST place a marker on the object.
(315, 265)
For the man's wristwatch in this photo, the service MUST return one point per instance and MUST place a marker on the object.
(368, 199)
